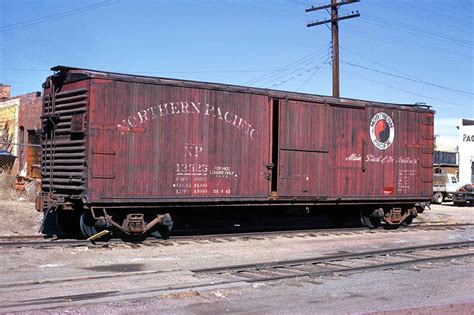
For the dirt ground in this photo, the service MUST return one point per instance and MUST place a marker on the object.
(19, 218)
(17, 209)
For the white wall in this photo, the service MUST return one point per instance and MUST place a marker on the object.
(466, 152)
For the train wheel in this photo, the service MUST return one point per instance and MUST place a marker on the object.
(68, 222)
(163, 231)
(61, 223)
(407, 221)
(391, 226)
(49, 226)
(89, 226)
(369, 221)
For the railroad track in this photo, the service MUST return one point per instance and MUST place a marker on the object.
(40, 241)
(236, 276)
(343, 263)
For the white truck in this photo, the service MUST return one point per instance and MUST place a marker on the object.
(444, 186)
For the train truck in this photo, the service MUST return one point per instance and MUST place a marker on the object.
(128, 153)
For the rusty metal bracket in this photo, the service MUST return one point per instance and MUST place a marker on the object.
(49, 201)
(134, 223)
(394, 216)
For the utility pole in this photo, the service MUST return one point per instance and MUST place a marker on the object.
(334, 20)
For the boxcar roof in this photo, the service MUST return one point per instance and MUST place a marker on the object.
(75, 74)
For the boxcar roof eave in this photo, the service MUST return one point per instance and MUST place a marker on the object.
(349, 102)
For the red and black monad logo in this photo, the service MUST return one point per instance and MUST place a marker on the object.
(382, 130)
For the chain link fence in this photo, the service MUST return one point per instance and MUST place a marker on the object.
(20, 170)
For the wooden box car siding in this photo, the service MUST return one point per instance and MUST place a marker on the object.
(177, 143)
(164, 141)
(304, 136)
(327, 152)
(402, 169)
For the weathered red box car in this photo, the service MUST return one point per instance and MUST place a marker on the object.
(124, 150)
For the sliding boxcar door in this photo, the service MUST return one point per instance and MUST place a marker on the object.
(303, 154)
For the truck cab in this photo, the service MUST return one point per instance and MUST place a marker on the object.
(444, 186)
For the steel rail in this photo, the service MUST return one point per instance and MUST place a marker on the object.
(255, 266)
(316, 260)
(116, 295)
(40, 241)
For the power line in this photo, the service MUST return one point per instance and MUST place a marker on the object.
(184, 72)
(411, 79)
(288, 5)
(403, 42)
(416, 29)
(316, 68)
(377, 63)
(307, 69)
(449, 8)
(287, 66)
(442, 14)
(23, 69)
(213, 71)
(264, 9)
(422, 12)
(277, 76)
(310, 77)
(231, 7)
(55, 16)
(402, 90)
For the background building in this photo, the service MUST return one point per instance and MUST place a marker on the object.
(20, 125)
(466, 151)
(445, 157)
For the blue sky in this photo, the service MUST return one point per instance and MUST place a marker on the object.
(398, 51)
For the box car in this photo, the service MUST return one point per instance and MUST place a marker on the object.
(124, 151)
